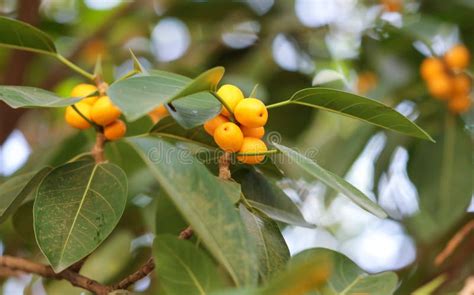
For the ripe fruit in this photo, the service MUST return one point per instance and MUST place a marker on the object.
(366, 81)
(74, 119)
(232, 95)
(459, 104)
(104, 112)
(431, 67)
(392, 5)
(457, 57)
(115, 130)
(251, 112)
(229, 137)
(440, 86)
(252, 145)
(258, 132)
(461, 84)
(158, 113)
(211, 125)
(82, 90)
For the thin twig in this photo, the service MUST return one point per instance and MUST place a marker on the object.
(186, 233)
(224, 164)
(142, 272)
(454, 242)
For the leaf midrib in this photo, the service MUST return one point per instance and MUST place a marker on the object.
(77, 213)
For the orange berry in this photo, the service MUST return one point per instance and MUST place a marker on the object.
(461, 84)
(74, 119)
(229, 137)
(252, 145)
(258, 132)
(158, 113)
(251, 112)
(392, 5)
(440, 86)
(82, 90)
(115, 130)
(104, 112)
(431, 67)
(366, 81)
(459, 104)
(457, 57)
(232, 95)
(211, 125)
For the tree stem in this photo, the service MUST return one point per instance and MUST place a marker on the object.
(278, 104)
(98, 149)
(74, 67)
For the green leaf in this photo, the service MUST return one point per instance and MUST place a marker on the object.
(232, 189)
(443, 176)
(15, 190)
(332, 180)
(272, 251)
(345, 277)
(358, 107)
(20, 35)
(203, 203)
(77, 206)
(192, 105)
(183, 268)
(263, 194)
(27, 97)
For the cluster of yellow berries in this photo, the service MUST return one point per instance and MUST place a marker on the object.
(445, 78)
(100, 110)
(244, 135)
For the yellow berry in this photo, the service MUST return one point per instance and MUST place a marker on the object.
(258, 132)
(82, 90)
(158, 113)
(461, 84)
(115, 130)
(252, 145)
(458, 57)
(440, 86)
(431, 67)
(229, 137)
(104, 112)
(459, 104)
(211, 125)
(251, 112)
(73, 118)
(232, 95)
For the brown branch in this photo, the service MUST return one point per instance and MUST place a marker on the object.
(98, 149)
(454, 242)
(224, 164)
(142, 272)
(186, 233)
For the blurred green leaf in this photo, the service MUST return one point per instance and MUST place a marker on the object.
(15, 190)
(357, 107)
(332, 180)
(28, 97)
(443, 176)
(192, 103)
(20, 35)
(183, 268)
(77, 206)
(272, 251)
(266, 196)
(203, 203)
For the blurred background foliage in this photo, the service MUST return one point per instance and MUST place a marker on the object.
(368, 47)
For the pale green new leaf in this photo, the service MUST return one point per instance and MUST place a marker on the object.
(27, 97)
(77, 206)
(332, 180)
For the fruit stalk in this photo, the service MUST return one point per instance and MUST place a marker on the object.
(224, 164)
(98, 149)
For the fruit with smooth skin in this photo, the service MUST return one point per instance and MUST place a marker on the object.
(461, 84)
(258, 132)
(431, 67)
(440, 86)
(104, 112)
(115, 130)
(232, 95)
(158, 113)
(82, 90)
(211, 125)
(74, 119)
(459, 104)
(251, 112)
(252, 145)
(229, 137)
(458, 57)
